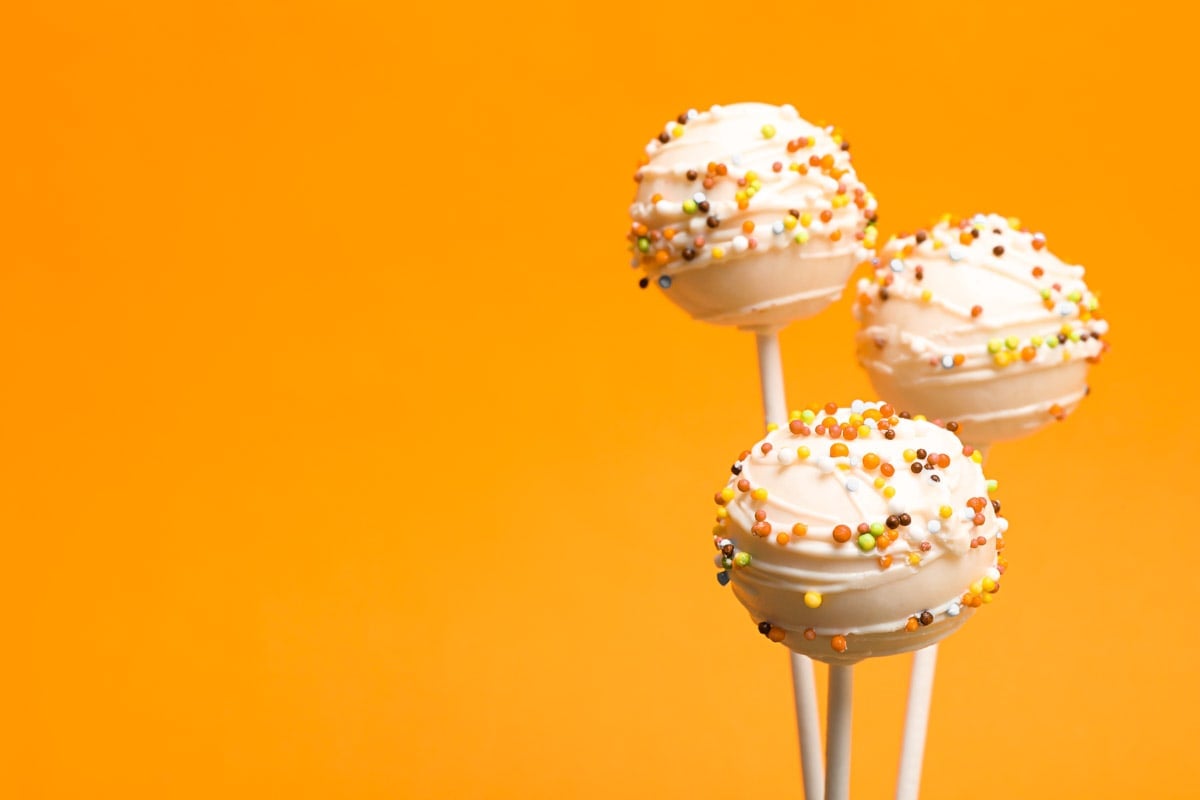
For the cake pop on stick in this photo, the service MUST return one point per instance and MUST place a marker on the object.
(853, 533)
(975, 320)
(748, 215)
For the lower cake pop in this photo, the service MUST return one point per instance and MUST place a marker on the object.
(855, 532)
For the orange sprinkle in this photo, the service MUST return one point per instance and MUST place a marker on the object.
(810, 634)
(976, 311)
(842, 534)
(887, 410)
(887, 469)
(668, 233)
(838, 449)
(912, 624)
(849, 433)
(959, 358)
(1038, 272)
(1056, 410)
(1028, 354)
(870, 461)
(748, 226)
(782, 538)
(776, 634)
(799, 529)
(943, 460)
(965, 238)
(826, 215)
(835, 236)
(662, 257)
(838, 643)
(885, 562)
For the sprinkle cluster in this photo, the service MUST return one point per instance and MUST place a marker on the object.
(1068, 313)
(772, 192)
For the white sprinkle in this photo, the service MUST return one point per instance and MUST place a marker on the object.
(777, 228)
(857, 407)
(992, 573)
(953, 609)
(1065, 308)
(897, 265)
(699, 197)
(948, 362)
(852, 485)
(864, 284)
(786, 455)
(957, 253)
(897, 506)
(1002, 524)
(741, 243)
(934, 526)
(825, 464)
(1100, 326)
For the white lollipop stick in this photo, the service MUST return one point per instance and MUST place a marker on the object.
(916, 718)
(916, 723)
(804, 684)
(837, 733)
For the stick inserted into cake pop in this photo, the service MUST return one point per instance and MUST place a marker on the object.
(748, 215)
(974, 320)
(854, 533)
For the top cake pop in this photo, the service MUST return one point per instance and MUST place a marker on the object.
(748, 215)
(976, 320)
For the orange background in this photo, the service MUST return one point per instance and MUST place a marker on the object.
(342, 458)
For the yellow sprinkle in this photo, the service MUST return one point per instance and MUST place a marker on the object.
(989, 585)
(759, 494)
(740, 195)
(812, 599)
(677, 131)
(889, 492)
(768, 131)
(1014, 223)
(938, 244)
(926, 296)
(789, 222)
(977, 457)
(803, 452)
(805, 218)
(945, 218)
(863, 431)
(919, 418)
(728, 494)
(977, 587)
(843, 465)
(914, 559)
(722, 512)
(1003, 358)
(1066, 355)
(840, 200)
(718, 252)
(751, 176)
(880, 483)
(910, 456)
(772, 426)
(945, 512)
(855, 419)
(987, 598)
(793, 414)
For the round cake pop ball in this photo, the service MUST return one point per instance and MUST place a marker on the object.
(857, 532)
(748, 215)
(977, 321)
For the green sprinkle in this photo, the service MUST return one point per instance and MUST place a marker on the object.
(741, 559)
(866, 542)
(644, 244)
(768, 131)
(876, 528)
(1011, 342)
(995, 345)
(992, 484)
(689, 206)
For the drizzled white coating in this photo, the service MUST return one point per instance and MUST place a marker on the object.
(924, 348)
(772, 267)
(868, 603)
